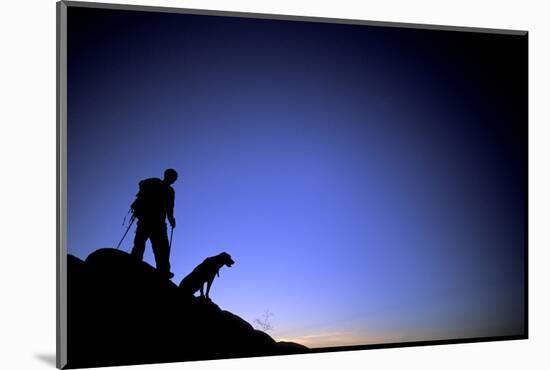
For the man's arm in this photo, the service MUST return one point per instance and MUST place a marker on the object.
(170, 207)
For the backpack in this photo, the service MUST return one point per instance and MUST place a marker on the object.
(149, 198)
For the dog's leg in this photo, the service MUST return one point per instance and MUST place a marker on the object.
(202, 291)
(208, 285)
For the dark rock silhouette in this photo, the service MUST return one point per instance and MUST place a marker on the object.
(122, 311)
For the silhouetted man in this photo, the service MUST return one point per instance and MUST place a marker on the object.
(155, 203)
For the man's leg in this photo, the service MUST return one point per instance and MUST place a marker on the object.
(142, 234)
(161, 249)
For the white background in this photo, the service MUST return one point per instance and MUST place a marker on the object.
(27, 194)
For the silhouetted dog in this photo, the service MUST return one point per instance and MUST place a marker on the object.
(205, 273)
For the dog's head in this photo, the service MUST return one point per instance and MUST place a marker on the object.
(226, 259)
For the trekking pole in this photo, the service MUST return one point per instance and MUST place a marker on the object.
(124, 221)
(171, 235)
(126, 232)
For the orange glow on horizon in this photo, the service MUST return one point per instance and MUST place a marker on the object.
(336, 339)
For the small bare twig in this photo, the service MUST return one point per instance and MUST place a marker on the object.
(264, 322)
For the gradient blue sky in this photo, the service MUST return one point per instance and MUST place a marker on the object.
(369, 182)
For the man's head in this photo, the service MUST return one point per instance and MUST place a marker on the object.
(170, 176)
